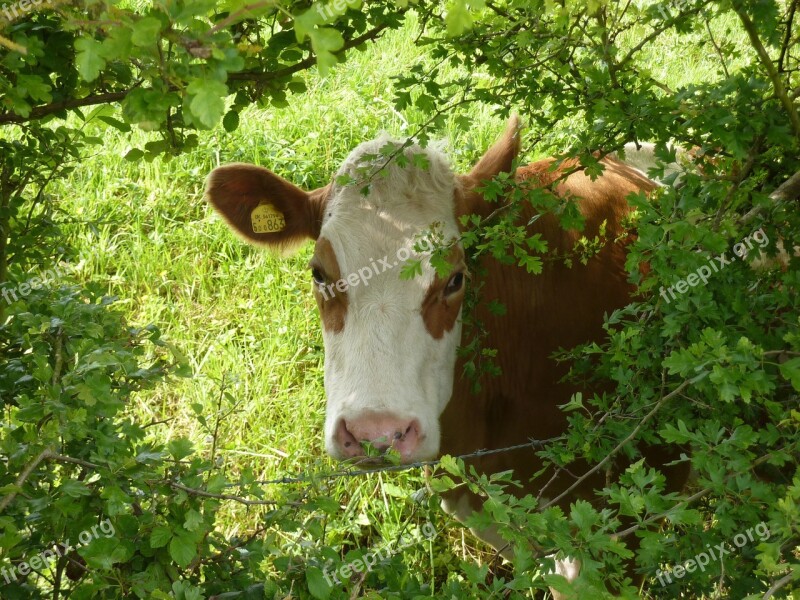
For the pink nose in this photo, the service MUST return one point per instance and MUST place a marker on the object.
(382, 431)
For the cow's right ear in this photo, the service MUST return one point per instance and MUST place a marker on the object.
(263, 208)
(498, 159)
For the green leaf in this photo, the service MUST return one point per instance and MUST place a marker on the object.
(345, 179)
(457, 19)
(441, 483)
(420, 160)
(193, 521)
(116, 124)
(317, 584)
(182, 549)
(160, 536)
(148, 107)
(133, 154)
(146, 32)
(411, 269)
(74, 488)
(207, 102)
(104, 552)
(575, 403)
(88, 59)
(34, 87)
(441, 265)
(231, 121)
(180, 448)
(584, 515)
(117, 46)
(451, 465)
(791, 371)
(305, 23)
(325, 41)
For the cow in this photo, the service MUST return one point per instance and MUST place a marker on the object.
(393, 376)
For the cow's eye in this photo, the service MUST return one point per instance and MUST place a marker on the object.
(317, 276)
(455, 284)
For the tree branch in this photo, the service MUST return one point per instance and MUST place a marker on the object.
(788, 190)
(235, 16)
(619, 446)
(781, 583)
(261, 76)
(49, 109)
(245, 501)
(46, 454)
(688, 500)
(766, 61)
(26, 472)
(787, 39)
(246, 76)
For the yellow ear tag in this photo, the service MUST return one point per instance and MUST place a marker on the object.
(265, 218)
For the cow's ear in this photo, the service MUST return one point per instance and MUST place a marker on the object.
(263, 208)
(498, 159)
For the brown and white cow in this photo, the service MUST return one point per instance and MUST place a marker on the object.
(392, 376)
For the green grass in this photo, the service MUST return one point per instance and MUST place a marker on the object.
(241, 315)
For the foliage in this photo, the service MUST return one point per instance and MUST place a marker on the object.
(714, 368)
(710, 367)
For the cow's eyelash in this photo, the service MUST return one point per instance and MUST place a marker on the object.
(455, 283)
(318, 275)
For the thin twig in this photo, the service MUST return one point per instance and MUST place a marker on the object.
(716, 47)
(787, 39)
(619, 447)
(655, 34)
(233, 17)
(46, 454)
(772, 72)
(245, 501)
(788, 190)
(59, 357)
(71, 460)
(26, 472)
(781, 583)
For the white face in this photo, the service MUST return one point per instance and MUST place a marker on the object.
(390, 343)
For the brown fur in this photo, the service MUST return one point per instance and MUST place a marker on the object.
(440, 312)
(560, 308)
(333, 309)
(235, 190)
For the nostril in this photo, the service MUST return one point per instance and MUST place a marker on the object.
(380, 432)
(347, 441)
(401, 435)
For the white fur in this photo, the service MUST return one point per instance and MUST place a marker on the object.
(384, 359)
(643, 159)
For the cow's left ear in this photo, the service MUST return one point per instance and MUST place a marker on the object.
(263, 208)
(498, 159)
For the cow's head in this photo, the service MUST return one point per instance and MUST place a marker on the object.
(390, 343)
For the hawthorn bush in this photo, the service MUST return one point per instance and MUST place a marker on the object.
(713, 367)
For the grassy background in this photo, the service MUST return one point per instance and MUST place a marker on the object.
(246, 319)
